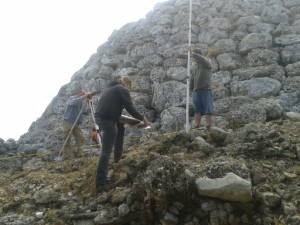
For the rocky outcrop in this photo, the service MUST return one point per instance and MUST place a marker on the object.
(247, 175)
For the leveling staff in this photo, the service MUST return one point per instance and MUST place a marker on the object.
(113, 100)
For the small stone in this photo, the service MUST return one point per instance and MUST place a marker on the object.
(290, 175)
(39, 215)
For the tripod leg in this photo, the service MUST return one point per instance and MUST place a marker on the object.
(96, 127)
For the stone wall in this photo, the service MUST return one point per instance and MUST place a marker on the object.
(256, 71)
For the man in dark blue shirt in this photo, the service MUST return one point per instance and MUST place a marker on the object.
(72, 120)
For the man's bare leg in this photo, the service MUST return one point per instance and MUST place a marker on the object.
(197, 120)
(209, 120)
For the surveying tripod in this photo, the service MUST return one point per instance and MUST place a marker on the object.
(96, 127)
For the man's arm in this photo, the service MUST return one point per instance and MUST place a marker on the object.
(192, 72)
(126, 99)
(204, 61)
(77, 100)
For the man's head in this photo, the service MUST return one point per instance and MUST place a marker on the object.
(113, 83)
(125, 81)
(197, 51)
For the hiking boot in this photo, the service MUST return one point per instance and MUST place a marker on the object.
(78, 155)
(67, 153)
(100, 189)
(104, 187)
(79, 152)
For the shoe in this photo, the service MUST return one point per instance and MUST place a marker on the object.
(196, 126)
(100, 189)
(79, 155)
(103, 187)
(78, 152)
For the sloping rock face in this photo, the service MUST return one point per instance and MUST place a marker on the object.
(256, 65)
(246, 176)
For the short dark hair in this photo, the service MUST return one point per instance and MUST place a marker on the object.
(113, 83)
(197, 51)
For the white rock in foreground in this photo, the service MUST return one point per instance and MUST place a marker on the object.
(231, 188)
(293, 116)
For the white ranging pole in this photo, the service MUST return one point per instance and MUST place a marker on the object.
(187, 116)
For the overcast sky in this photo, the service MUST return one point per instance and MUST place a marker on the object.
(44, 42)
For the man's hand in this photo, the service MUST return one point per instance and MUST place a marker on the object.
(88, 94)
(144, 124)
(145, 121)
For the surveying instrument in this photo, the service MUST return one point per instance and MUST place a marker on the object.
(95, 129)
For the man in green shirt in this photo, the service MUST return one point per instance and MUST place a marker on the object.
(200, 85)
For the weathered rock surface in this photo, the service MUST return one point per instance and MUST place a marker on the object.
(256, 46)
(248, 175)
(255, 135)
(230, 188)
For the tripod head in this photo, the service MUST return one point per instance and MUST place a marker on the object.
(89, 97)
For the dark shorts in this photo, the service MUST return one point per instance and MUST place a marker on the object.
(203, 101)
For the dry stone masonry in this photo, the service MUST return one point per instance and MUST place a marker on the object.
(256, 71)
